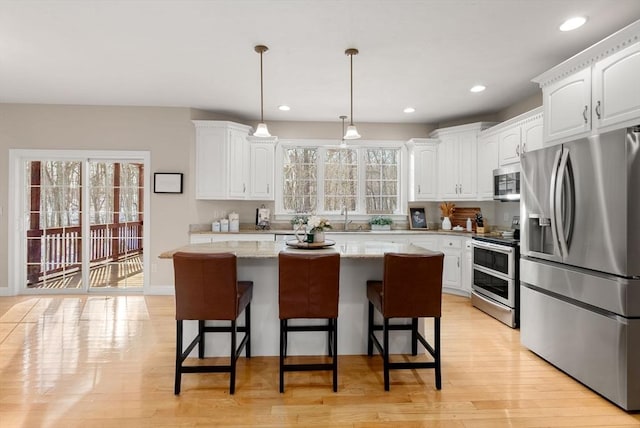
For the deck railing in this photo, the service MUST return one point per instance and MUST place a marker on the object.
(56, 250)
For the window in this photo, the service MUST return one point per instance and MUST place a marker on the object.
(299, 178)
(340, 179)
(323, 178)
(381, 181)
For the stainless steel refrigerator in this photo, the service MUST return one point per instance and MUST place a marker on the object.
(580, 261)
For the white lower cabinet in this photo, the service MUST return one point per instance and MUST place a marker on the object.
(458, 260)
(467, 266)
(205, 238)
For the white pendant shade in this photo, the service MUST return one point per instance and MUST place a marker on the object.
(352, 133)
(262, 131)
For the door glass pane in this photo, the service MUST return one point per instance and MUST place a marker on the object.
(115, 207)
(53, 218)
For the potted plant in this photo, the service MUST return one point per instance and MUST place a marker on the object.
(316, 227)
(380, 223)
(299, 219)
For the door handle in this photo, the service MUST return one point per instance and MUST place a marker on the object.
(584, 113)
(598, 110)
(553, 199)
(518, 150)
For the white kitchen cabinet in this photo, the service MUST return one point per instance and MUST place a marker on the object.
(467, 266)
(594, 91)
(232, 165)
(457, 161)
(532, 132)
(205, 238)
(567, 106)
(200, 238)
(519, 135)
(428, 243)
(238, 164)
(423, 172)
(616, 88)
(221, 160)
(451, 272)
(488, 160)
(510, 145)
(261, 170)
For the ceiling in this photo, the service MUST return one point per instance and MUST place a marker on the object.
(200, 54)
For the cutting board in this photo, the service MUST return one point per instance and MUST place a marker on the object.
(460, 216)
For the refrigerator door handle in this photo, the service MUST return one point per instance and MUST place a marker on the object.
(553, 199)
(562, 173)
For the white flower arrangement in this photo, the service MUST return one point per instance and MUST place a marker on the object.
(318, 224)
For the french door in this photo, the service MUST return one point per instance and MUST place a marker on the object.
(83, 221)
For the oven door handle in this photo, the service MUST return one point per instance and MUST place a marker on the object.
(492, 272)
(490, 246)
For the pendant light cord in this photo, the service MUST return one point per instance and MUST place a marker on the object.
(261, 92)
(351, 115)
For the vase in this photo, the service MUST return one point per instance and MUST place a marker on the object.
(318, 236)
(446, 223)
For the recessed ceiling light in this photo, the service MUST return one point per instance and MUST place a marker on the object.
(573, 23)
(409, 110)
(478, 88)
(284, 108)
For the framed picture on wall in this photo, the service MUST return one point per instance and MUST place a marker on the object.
(167, 182)
(417, 218)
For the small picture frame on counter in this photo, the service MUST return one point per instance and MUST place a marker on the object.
(167, 182)
(417, 218)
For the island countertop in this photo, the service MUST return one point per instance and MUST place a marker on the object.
(270, 250)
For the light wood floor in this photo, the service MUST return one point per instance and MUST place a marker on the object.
(96, 361)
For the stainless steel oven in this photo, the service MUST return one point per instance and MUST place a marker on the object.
(495, 278)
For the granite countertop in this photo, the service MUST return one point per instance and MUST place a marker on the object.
(341, 232)
(270, 250)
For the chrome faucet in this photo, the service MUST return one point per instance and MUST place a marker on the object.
(345, 213)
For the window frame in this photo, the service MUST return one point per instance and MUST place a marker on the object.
(360, 146)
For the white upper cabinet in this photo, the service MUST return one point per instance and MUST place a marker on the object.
(457, 161)
(595, 91)
(238, 163)
(261, 156)
(488, 154)
(616, 88)
(531, 132)
(230, 164)
(423, 174)
(510, 142)
(567, 106)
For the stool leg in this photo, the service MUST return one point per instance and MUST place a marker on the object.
(335, 354)
(386, 353)
(247, 323)
(201, 341)
(329, 336)
(176, 387)
(436, 339)
(370, 331)
(414, 336)
(232, 380)
(283, 347)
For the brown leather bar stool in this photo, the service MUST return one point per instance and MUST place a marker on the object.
(207, 288)
(411, 288)
(309, 288)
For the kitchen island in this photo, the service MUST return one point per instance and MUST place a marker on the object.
(258, 262)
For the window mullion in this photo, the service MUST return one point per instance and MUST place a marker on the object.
(322, 152)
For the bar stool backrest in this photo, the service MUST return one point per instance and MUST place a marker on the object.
(309, 285)
(412, 285)
(205, 286)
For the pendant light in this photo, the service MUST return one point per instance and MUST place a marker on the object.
(261, 130)
(352, 132)
(343, 144)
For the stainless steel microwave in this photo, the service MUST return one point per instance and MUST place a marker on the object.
(506, 183)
